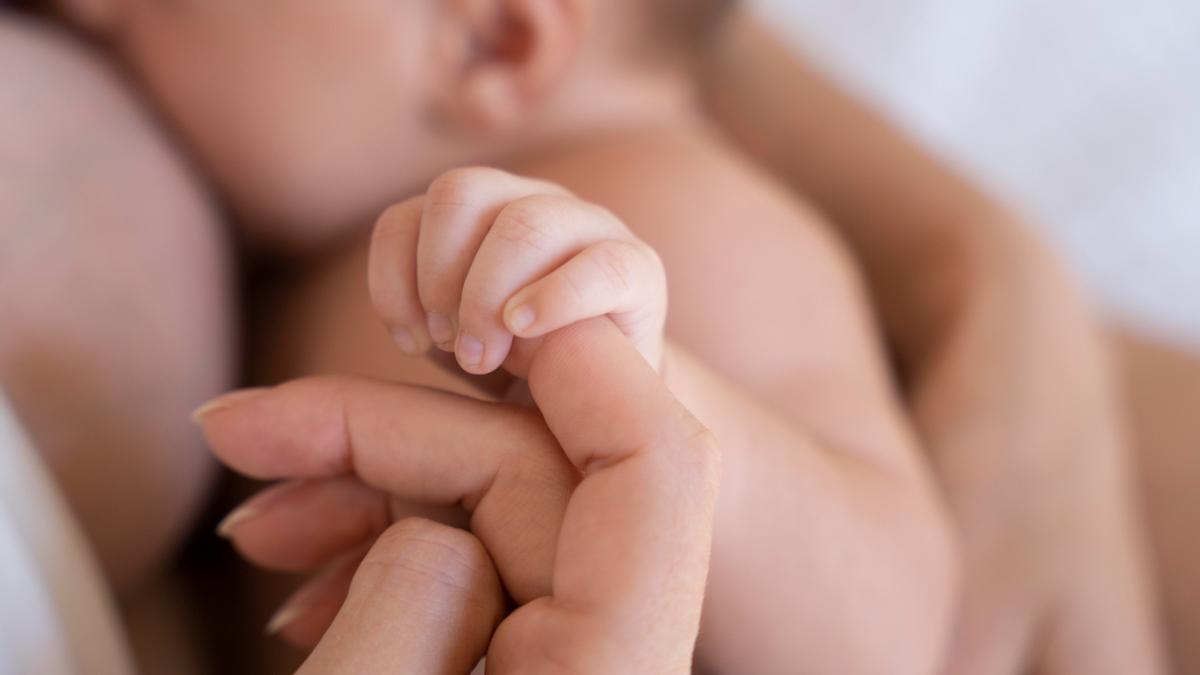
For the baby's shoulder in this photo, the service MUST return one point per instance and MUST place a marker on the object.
(688, 193)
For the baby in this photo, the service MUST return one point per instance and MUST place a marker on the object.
(314, 116)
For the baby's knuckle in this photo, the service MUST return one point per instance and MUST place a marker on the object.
(656, 271)
(459, 187)
(436, 294)
(391, 216)
(476, 305)
(392, 223)
(615, 264)
(530, 222)
(573, 282)
(652, 257)
(598, 212)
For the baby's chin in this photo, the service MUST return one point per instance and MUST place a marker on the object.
(300, 219)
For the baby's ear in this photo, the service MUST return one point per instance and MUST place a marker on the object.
(502, 58)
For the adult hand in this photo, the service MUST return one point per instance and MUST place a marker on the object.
(599, 521)
(1024, 430)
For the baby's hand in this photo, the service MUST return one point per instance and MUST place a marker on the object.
(485, 257)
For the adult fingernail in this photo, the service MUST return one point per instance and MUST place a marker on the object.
(469, 350)
(235, 518)
(441, 329)
(286, 616)
(257, 505)
(224, 402)
(405, 339)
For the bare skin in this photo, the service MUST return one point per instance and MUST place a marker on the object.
(1007, 376)
(1147, 375)
(812, 419)
(1161, 387)
(808, 410)
(117, 320)
(1155, 363)
(113, 289)
(623, 583)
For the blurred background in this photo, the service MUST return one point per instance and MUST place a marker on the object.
(1085, 113)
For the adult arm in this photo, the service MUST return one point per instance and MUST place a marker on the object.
(1004, 372)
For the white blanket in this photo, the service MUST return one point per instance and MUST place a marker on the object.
(56, 618)
(1086, 113)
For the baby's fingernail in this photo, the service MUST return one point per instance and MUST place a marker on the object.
(469, 350)
(441, 329)
(521, 318)
(236, 517)
(224, 402)
(285, 617)
(405, 339)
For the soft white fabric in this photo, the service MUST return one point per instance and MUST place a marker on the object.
(31, 638)
(55, 615)
(1085, 113)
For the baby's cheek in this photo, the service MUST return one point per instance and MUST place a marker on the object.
(306, 126)
(243, 114)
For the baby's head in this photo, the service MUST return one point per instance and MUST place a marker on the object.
(313, 114)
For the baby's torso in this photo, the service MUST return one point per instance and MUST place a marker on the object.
(759, 288)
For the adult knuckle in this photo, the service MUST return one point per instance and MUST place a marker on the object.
(430, 538)
(444, 556)
(704, 444)
(696, 445)
(326, 400)
(336, 385)
(522, 433)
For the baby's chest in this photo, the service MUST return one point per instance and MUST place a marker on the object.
(757, 285)
(322, 322)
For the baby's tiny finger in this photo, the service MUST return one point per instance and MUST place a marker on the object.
(392, 276)
(459, 208)
(621, 279)
(529, 239)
